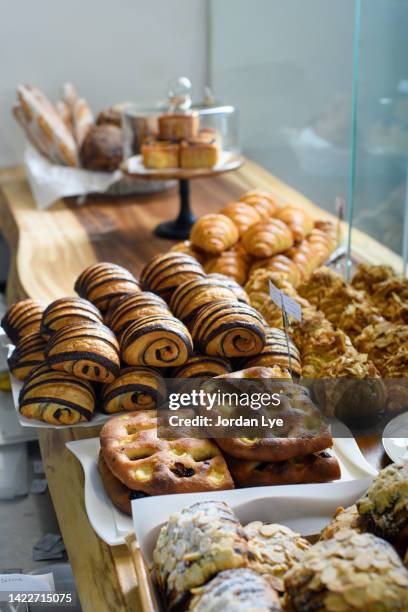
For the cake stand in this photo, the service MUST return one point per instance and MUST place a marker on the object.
(179, 228)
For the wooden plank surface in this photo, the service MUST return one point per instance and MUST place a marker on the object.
(49, 249)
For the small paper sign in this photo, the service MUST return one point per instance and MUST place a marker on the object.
(285, 303)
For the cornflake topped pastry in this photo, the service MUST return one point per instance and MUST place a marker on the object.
(352, 571)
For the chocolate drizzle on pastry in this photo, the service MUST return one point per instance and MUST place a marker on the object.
(166, 272)
(202, 366)
(158, 340)
(28, 354)
(87, 350)
(22, 318)
(130, 308)
(276, 353)
(194, 293)
(228, 330)
(56, 397)
(103, 283)
(136, 388)
(67, 311)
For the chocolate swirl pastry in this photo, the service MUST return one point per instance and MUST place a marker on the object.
(191, 295)
(87, 350)
(164, 273)
(22, 318)
(228, 330)
(130, 308)
(103, 283)
(235, 287)
(202, 366)
(133, 389)
(158, 340)
(237, 589)
(28, 354)
(67, 311)
(276, 352)
(56, 397)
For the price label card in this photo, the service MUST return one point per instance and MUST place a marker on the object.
(285, 303)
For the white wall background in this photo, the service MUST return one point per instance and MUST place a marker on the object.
(111, 51)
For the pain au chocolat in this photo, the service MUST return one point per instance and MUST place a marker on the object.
(87, 350)
(164, 273)
(130, 308)
(135, 388)
(228, 329)
(142, 461)
(202, 366)
(235, 287)
(105, 282)
(158, 340)
(279, 350)
(27, 355)
(67, 311)
(58, 398)
(22, 318)
(191, 295)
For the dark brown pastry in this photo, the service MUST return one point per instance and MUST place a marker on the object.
(136, 388)
(28, 354)
(202, 366)
(228, 329)
(102, 148)
(119, 494)
(190, 296)
(130, 308)
(317, 467)
(22, 318)
(67, 311)
(86, 350)
(164, 273)
(157, 340)
(104, 282)
(144, 462)
(110, 116)
(278, 347)
(58, 398)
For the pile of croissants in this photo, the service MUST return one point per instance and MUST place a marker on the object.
(257, 232)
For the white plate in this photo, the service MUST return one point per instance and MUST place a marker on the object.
(395, 437)
(111, 525)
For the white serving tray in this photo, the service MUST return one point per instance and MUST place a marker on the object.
(309, 505)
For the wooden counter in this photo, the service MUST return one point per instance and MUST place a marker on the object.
(49, 249)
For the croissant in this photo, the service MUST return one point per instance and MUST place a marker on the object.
(132, 307)
(298, 220)
(56, 397)
(281, 265)
(214, 233)
(263, 202)
(228, 329)
(166, 272)
(67, 311)
(202, 366)
(27, 355)
(240, 293)
(22, 318)
(305, 259)
(193, 294)
(158, 340)
(276, 352)
(134, 388)
(267, 238)
(87, 350)
(103, 283)
(187, 248)
(242, 214)
(230, 263)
